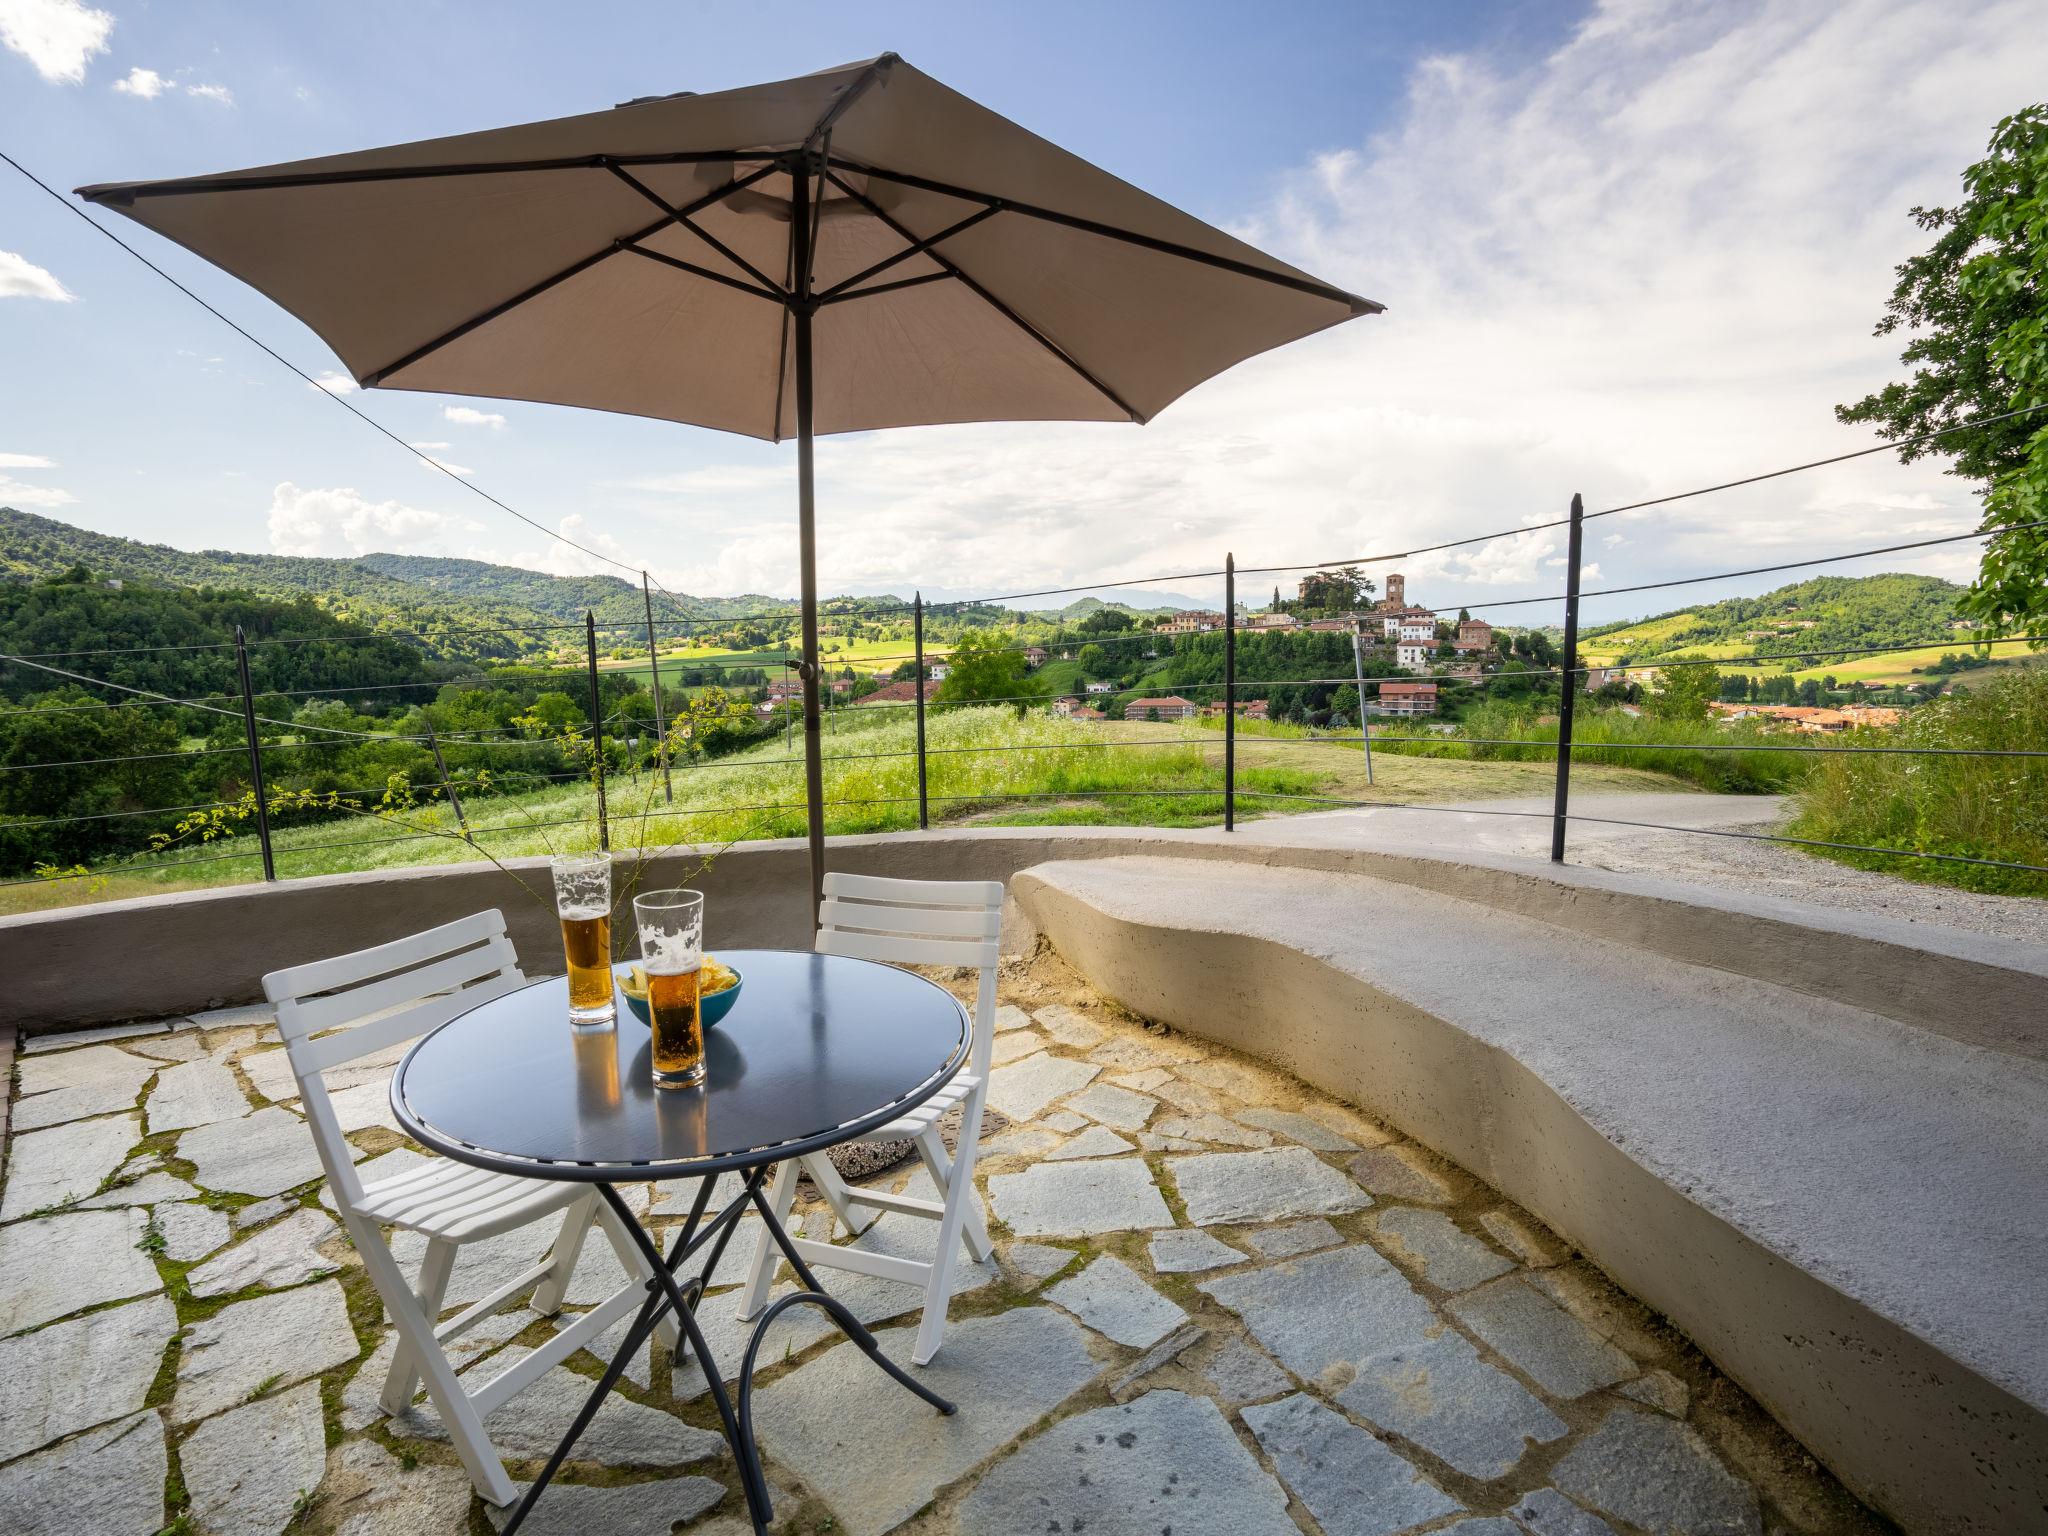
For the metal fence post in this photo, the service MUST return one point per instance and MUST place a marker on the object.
(1230, 693)
(1569, 679)
(447, 783)
(604, 831)
(668, 789)
(924, 809)
(255, 755)
(1364, 720)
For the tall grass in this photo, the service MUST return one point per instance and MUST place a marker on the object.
(1979, 807)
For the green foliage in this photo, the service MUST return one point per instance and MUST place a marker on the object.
(985, 666)
(1807, 617)
(1979, 807)
(1975, 304)
(1683, 693)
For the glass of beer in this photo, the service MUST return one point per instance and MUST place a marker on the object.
(671, 925)
(583, 900)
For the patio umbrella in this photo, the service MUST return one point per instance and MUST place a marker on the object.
(849, 250)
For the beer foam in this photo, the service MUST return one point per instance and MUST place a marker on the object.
(583, 914)
(668, 955)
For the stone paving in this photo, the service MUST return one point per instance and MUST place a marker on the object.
(1220, 1304)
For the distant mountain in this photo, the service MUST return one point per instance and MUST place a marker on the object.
(612, 598)
(1806, 617)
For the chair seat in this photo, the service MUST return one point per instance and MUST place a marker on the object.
(923, 1117)
(451, 1200)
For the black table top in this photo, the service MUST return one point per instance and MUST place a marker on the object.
(817, 1049)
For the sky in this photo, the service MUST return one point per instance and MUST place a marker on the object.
(1626, 249)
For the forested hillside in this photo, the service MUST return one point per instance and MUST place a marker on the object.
(1810, 616)
(612, 598)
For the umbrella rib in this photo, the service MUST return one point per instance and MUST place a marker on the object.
(122, 193)
(995, 303)
(877, 67)
(377, 376)
(836, 297)
(1358, 306)
(694, 228)
(921, 246)
(772, 295)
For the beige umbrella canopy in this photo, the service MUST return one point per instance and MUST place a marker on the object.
(853, 249)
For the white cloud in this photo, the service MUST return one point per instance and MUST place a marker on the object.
(469, 416)
(26, 461)
(21, 278)
(58, 37)
(19, 493)
(146, 83)
(334, 383)
(341, 522)
(1647, 261)
(453, 469)
(216, 93)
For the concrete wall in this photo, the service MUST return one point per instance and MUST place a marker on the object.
(162, 955)
(1914, 1432)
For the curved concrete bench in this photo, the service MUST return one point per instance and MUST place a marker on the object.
(1843, 1210)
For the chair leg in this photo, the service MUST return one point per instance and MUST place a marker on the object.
(839, 1195)
(404, 1375)
(973, 1230)
(781, 1195)
(547, 1296)
(634, 1262)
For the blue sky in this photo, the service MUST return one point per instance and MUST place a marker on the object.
(1627, 248)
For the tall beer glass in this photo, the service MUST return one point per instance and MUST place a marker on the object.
(671, 925)
(583, 899)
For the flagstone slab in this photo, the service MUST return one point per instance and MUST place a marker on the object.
(56, 1265)
(1546, 1512)
(109, 1482)
(1298, 1127)
(1440, 1394)
(238, 1015)
(1351, 1483)
(1193, 1098)
(481, 1267)
(1111, 1105)
(1243, 1375)
(1024, 1088)
(1113, 1194)
(183, 1041)
(371, 1493)
(281, 1254)
(1139, 1082)
(190, 1231)
(1323, 1314)
(1015, 1046)
(1021, 1141)
(1096, 1141)
(246, 1469)
(1069, 1026)
(1658, 1474)
(1399, 1174)
(622, 1433)
(1431, 1245)
(35, 1045)
(1039, 1261)
(270, 1073)
(1165, 1461)
(1542, 1340)
(1005, 1372)
(1009, 1016)
(264, 1153)
(153, 1187)
(71, 1376)
(194, 1093)
(1065, 1121)
(1262, 1186)
(1299, 1237)
(1110, 1297)
(630, 1509)
(1536, 1246)
(257, 1212)
(1136, 1052)
(1660, 1390)
(1164, 1353)
(46, 1168)
(278, 1340)
(1185, 1250)
(99, 1080)
(1215, 1128)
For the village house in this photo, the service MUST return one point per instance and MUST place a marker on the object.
(1415, 655)
(1191, 621)
(1263, 621)
(1405, 699)
(1083, 712)
(1169, 707)
(937, 671)
(1249, 709)
(1034, 656)
(897, 693)
(1101, 687)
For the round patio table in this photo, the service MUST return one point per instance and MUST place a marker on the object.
(817, 1050)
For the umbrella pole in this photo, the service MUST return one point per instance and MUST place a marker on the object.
(807, 524)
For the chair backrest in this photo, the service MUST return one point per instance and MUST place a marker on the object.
(339, 1010)
(920, 922)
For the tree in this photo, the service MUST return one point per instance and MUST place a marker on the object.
(1106, 621)
(1093, 659)
(1683, 692)
(1976, 306)
(983, 668)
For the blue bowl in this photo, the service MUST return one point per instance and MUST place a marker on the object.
(710, 1011)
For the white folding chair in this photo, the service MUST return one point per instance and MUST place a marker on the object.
(906, 922)
(339, 1010)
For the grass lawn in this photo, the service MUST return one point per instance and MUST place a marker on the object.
(1043, 770)
(875, 656)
